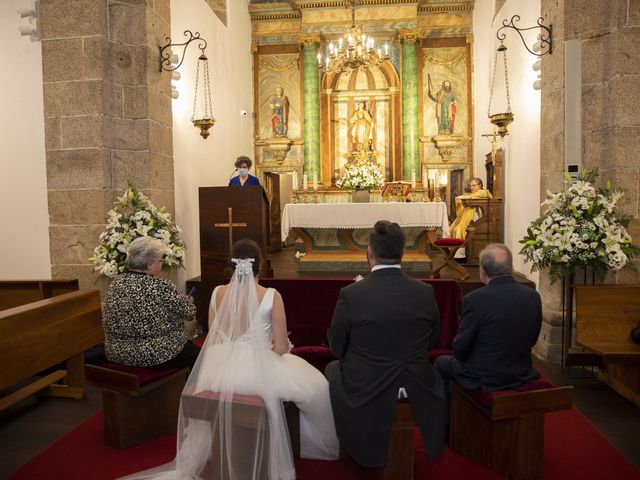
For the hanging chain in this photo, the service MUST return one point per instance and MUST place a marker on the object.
(195, 94)
(493, 81)
(506, 78)
(506, 81)
(207, 91)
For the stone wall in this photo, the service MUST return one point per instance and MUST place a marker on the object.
(610, 39)
(107, 115)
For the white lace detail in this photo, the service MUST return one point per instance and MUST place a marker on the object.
(244, 266)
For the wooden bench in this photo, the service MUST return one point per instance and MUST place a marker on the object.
(505, 430)
(605, 315)
(248, 412)
(400, 453)
(140, 404)
(40, 335)
(14, 293)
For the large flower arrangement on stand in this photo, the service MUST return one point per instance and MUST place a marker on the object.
(361, 174)
(580, 229)
(133, 216)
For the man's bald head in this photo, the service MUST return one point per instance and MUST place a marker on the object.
(495, 260)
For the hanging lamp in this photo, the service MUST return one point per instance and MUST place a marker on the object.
(501, 120)
(203, 115)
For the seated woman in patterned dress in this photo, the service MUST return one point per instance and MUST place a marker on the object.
(144, 316)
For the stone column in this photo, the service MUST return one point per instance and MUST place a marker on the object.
(610, 37)
(410, 120)
(311, 131)
(108, 120)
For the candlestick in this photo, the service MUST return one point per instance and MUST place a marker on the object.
(304, 181)
(315, 181)
(294, 183)
(413, 179)
(432, 189)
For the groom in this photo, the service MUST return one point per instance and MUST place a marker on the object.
(382, 330)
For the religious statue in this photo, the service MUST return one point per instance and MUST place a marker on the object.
(445, 107)
(279, 107)
(466, 215)
(361, 128)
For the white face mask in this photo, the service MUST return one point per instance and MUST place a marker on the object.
(243, 172)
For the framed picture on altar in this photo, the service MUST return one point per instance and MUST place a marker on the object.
(396, 191)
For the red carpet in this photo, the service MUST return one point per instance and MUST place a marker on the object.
(574, 449)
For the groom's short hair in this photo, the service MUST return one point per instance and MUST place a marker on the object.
(387, 242)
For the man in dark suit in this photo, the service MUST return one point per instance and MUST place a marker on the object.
(500, 324)
(382, 330)
(243, 164)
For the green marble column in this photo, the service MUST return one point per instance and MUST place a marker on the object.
(311, 97)
(410, 130)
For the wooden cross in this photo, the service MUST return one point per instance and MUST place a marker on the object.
(230, 226)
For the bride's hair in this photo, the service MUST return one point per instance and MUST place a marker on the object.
(246, 248)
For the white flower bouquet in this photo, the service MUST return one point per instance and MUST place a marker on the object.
(361, 174)
(580, 228)
(133, 216)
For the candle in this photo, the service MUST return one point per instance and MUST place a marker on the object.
(413, 179)
(304, 181)
(432, 189)
(315, 181)
(436, 178)
(425, 177)
(294, 183)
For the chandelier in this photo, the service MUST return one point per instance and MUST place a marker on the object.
(353, 50)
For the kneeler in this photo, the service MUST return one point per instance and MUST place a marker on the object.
(248, 412)
(399, 454)
(448, 247)
(504, 430)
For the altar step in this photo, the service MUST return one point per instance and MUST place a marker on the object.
(327, 261)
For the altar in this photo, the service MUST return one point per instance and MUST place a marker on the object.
(335, 236)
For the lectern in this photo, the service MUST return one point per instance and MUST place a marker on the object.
(228, 214)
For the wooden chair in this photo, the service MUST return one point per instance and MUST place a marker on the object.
(448, 247)
(505, 430)
(248, 412)
(140, 404)
(400, 453)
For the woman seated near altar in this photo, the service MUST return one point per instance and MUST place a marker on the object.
(466, 215)
(246, 360)
(243, 164)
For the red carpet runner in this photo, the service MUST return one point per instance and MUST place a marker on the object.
(574, 449)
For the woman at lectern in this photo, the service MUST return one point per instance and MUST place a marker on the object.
(243, 164)
(144, 316)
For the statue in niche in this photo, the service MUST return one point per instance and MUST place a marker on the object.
(279, 107)
(361, 128)
(445, 106)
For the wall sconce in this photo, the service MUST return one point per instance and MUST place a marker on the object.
(546, 41)
(537, 66)
(202, 116)
(31, 30)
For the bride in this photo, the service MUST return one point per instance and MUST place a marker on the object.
(246, 355)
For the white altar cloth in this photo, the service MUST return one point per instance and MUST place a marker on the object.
(364, 215)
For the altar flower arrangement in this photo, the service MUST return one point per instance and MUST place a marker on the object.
(362, 174)
(580, 228)
(133, 216)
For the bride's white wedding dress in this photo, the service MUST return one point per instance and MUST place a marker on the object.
(295, 380)
(236, 361)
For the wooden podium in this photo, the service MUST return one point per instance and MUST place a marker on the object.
(228, 214)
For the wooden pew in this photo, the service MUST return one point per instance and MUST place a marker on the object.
(399, 454)
(605, 315)
(14, 293)
(508, 435)
(488, 228)
(42, 334)
(140, 404)
(248, 412)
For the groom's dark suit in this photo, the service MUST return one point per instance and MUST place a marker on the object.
(382, 330)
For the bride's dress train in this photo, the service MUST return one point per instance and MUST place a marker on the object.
(237, 359)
